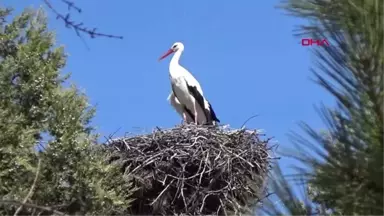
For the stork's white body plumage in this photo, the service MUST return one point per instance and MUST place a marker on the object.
(187, 97)
(180, 108)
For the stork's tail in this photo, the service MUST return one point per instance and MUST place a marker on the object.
(212, 118)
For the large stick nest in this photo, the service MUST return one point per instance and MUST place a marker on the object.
(193, 169)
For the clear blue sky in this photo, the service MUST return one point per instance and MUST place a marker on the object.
(243, 53)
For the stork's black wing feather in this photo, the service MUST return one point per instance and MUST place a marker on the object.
(213, 114)
(209, 113)
(189, 112)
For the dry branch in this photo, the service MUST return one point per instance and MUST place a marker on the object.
(31, 190)
(78, 27)
(194, 170)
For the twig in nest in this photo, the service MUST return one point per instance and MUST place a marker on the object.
(109, 138)
(31, 190)
(165, 189)
(254, 116)
(78, 27)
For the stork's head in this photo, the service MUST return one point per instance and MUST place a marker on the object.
(178, 46)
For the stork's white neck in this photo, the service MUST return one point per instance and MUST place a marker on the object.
(175, 61)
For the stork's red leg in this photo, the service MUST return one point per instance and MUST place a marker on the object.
(185, 117)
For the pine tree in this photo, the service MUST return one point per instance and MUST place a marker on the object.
(49, 160)
(343, 167)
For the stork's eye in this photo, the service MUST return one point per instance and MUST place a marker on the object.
(174, 46)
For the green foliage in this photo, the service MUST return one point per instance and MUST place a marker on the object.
(288, 202)
(36, 111)
(344, 167)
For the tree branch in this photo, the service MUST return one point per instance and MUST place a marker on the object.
(78, 27)
(29, 205)
(72, 5)
(31, 190)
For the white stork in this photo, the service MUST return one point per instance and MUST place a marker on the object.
(187, 96)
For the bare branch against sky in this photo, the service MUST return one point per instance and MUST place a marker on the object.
(77, 26)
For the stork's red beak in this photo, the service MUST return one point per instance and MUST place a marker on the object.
(166, 54)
